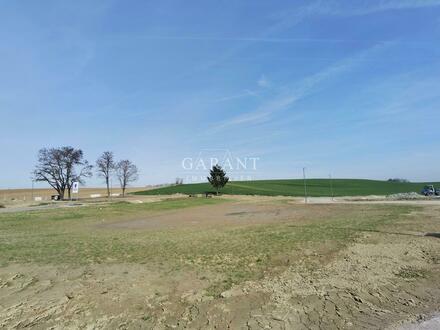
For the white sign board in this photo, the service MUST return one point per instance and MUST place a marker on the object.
(75, 187)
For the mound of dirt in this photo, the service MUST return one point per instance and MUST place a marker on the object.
(405, 196)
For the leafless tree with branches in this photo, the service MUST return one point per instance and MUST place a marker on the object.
(126, 172)
(105, 166)
(60, 167)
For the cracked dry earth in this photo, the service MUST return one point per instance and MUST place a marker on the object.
(381, 280)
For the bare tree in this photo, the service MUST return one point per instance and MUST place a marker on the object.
(60, 167)
(105, 166)
(127, 172)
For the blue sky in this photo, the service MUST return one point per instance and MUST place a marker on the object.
(350, 88)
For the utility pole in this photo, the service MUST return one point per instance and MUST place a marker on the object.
(331, 186)
(305, 185)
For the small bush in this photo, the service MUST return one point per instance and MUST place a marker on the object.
(2, 206)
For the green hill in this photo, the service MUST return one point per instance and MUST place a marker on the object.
(315, 187)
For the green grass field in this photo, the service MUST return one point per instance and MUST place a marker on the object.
(315, 188)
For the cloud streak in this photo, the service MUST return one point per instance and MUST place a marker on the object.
(358, 8)
(263, 82)
(329, 8)
(300, 90)
(290, 18)
(245, 93)
(395, 5)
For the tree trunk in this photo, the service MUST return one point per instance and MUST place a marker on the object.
(123, 191)
(61, 193)
(108, 187)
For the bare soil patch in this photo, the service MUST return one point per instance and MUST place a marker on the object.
(230, 214)
(23, 197)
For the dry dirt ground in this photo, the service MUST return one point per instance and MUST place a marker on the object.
(11, 197)
(382, 276)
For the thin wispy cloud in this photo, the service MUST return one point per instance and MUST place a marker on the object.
(393, 5)
(408, 96)
(354, 8)
(300, 90)
(273, 40)
(245, 93)
(243, 39)
(265, 35)
(294, 16)
(263, 82)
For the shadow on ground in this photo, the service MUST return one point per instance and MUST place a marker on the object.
(437, 235)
